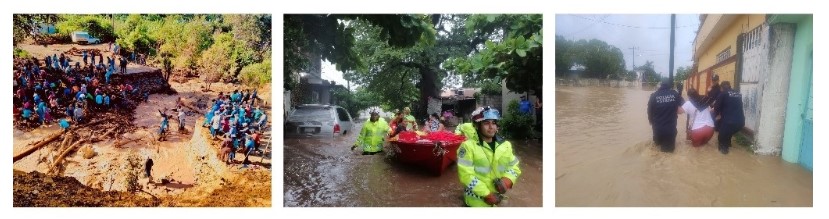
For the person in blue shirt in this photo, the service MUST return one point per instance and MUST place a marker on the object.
(729, 105)
(84, 57)
(164, 124)
(208, 118)
(249, 147)
(69, 111)
(41, 111)
(64, 124)
(99, 99)
(27, 114)
(254, 97)
(106, 100)
(109, 73)
(663, 106)
(524, 106)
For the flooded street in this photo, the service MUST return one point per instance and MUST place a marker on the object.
(605, 156)
(324, 172)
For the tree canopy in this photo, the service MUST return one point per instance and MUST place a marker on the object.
(406, 59)
(599, 59)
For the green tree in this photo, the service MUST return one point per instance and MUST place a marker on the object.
(257, 74)
(682, 73)
(409, 76)
(599, 59)
(330, 37)
(27, 25)
(214, 61)
(648, 74)
(505, 47)
(564, 57)
(97, 25)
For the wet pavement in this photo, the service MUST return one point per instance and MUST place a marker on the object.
(605, 157)
(325, 173)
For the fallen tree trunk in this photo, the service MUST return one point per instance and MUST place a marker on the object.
(122, 143)
(63, 155)
(66, 142)
(37, 146)
(104, 136)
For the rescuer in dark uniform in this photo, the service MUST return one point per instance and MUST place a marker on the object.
(663, 107)
(729, 106)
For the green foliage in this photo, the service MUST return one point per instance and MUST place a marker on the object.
(682, 73)
(19, 53)
(514, 124)
(214, 61)
(512, 50)
(27, 25)
(333, 38)
(355, 101)
(600, 59)
(490, 87)
(98, 26)
(648, 73)
(257, 74)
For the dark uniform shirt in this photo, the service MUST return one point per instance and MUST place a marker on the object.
(712, 95)
(662, 109)
(730, 106)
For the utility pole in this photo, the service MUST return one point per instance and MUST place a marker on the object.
(671, 61)
(633, 57)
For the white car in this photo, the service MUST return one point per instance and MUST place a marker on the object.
(315, 120)
(83, 37)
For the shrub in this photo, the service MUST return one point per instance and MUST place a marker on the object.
(514, 124)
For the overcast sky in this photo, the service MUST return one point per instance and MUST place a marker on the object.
(651, 34)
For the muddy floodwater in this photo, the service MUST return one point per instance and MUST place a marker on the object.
(605, 157)
(324, 172)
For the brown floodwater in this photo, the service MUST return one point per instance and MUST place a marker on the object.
(325, 173)
(605, 156)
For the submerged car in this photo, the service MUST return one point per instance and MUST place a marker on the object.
(316, 120)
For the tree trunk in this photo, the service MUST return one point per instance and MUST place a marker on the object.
(37, 146)
(428, 88)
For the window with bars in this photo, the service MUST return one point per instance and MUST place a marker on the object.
(724, 55)
(752, 38)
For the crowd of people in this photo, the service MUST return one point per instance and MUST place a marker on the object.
(239, 121)
(59, 88)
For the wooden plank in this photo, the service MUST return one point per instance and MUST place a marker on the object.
(37, 146)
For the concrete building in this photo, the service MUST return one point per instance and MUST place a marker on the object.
(768, 59)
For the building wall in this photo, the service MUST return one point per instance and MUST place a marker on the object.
(728, 38)
(769, 138)
(754, 61)
(799, 89)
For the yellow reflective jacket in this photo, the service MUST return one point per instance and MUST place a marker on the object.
(372, 135)
(467, 130)
(479, 166)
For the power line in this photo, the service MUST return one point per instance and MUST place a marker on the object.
(625, 25)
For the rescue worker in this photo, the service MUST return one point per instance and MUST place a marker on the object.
(663, 107)
(487, 167)
(713, 91)
(372, 135)
(729, 106)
